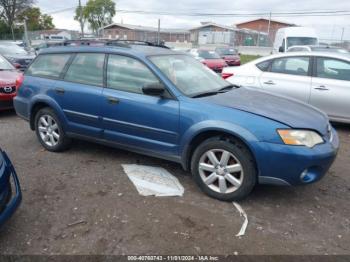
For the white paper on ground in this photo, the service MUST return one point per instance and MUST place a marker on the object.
(155, 181)
(245, 223)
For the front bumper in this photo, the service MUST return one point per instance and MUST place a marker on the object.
(10, 197)
(281, 164)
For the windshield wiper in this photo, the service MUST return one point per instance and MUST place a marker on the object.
(228, 87)
(211, 93)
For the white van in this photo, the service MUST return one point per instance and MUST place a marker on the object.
(291, 36)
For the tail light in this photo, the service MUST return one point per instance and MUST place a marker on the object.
(19, 81)
(226, 75)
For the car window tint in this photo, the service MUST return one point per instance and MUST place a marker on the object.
(128, 74)
(50, 65)
(291, 65)
(264, 66)
(333, 69)
(86, 69)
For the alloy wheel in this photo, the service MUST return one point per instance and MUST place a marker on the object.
(48, 130)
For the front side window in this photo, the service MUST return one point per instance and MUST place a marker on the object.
(188, 75)
(333, 69)
(128, 74)
(291, 66)
(86, 68)
(48, 65)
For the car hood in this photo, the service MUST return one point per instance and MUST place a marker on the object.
(287, 111)
(215, 62)
(231, 57)
(20, 56)
(8, 77)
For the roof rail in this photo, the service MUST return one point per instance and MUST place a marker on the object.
(134, 42)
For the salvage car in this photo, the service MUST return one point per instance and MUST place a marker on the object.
(321, 79)
(168, 105)
(230, 55)
(9, 77)
(10, 191)
(209, 58)
(19, 57)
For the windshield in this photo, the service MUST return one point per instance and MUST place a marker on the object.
(5, 65)
(292, 41)
(11, 49)
(226, 51)
(208, 54)
(188, 75)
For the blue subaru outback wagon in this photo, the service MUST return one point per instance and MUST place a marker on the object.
(166, 104)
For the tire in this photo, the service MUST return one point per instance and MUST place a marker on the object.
(234, 167)
(55, 139)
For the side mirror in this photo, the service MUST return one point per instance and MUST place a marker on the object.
(153, 89)
(281, 49)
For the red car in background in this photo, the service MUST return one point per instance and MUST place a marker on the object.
(10, 79)
(230, 55)
(209, 58)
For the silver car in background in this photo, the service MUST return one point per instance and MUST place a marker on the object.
(321, 79)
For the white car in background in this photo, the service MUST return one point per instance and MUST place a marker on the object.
(321, 79)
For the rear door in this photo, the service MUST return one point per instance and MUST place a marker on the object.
(79, 93)
(288, 76)
(331, 87)
(132, 118)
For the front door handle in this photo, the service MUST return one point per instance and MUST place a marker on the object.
(113, 100)
(270, 82)
(322, 88)
(60, 91)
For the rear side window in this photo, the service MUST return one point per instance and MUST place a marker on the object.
(50, 65)
(291, 65)
(128, 74)
(86, 69)
(264, 66)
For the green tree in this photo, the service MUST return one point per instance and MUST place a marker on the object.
(79, 16)
(11, 9)
(99, 13)
(36, 20)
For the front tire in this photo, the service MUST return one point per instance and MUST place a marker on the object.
(49, 131)
(224, 169)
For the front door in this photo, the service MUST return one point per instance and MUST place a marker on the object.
(331, 88)
(132, 118)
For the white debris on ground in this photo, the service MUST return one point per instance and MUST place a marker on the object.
(153, 181)
(245, 223)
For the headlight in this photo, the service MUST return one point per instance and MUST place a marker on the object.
(300, 137)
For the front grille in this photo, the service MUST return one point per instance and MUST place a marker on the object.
(7, 90)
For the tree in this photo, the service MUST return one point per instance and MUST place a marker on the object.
(10, 9)
(79, 16)
(99, 13)
(36, 20)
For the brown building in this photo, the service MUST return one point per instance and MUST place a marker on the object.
(262, 25)
(144, 33)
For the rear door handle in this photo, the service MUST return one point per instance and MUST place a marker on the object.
(59, 90)
(270, 82)
(113, 100)
(322, 88)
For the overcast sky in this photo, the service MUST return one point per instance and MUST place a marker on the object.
(327, 27)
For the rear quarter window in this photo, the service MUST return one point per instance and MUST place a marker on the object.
(48, 65)
(264, 66)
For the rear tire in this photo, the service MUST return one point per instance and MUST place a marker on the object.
(49, 131)
(224, 169)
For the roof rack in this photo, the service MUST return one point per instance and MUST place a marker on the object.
(107, 42)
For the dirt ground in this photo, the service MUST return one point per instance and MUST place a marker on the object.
(87, 184)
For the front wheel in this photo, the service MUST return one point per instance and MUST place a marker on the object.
(49, 131)
(224, 169)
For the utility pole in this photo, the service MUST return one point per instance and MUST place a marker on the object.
(342, 36)
(268, 29)
(81, 19)
(158, 35)
(26, 39)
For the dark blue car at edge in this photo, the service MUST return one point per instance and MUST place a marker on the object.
(10, 191)
(166, 104)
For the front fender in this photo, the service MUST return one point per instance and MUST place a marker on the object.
(220, 126)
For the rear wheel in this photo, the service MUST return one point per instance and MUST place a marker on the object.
(49, 131)
(224, 169)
